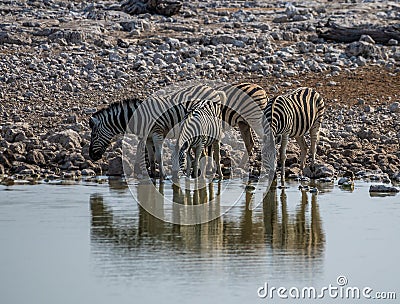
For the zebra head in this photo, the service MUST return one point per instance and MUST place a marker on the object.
(100, 138)
(179, 160)
(107, 123)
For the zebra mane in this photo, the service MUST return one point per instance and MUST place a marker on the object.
(132, 101)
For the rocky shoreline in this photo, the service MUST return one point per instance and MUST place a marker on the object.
(62, 60)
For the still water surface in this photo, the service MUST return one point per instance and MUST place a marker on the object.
(92, 243)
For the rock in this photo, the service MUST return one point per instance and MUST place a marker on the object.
(13, 135)
(161, 7)
(394, 107)
(325, 180)
(383, 189)
(349, 174)
(68, 139)
(343, 180)
(115, 166)
(35, 157)
(18, 167)
(70, 36)
(14, 38)
(348, 185)
(320, 171)
(88, 172)
(367, 38)
(306, 47)
(367, 134)
(396, 177)
(4, 161)
(360, 48)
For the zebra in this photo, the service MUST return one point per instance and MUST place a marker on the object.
(201, 128)
(242, 108)
(109, 122)
(150, 120)
(292, 115)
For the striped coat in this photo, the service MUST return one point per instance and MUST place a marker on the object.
(291, 116)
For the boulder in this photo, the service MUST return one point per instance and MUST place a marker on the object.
(394, 107)
(68, 139)
(361, 48)
(14, 38)
(35, 157)
(4, 161)
(88, 172)
(115, 166)
(9, 134)
(70, 36)
(396, 177)
(18, 167)
(161, 7)
(319, 171)
(383, 189)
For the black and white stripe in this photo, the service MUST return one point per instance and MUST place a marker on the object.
(158, 115)
(243, 108)
(109, 122)
(151, 119)
(292, 116)
(201, 128)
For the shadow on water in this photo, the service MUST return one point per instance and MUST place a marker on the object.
(302, 234)
(122, 233)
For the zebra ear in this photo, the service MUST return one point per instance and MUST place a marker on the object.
(93, 121)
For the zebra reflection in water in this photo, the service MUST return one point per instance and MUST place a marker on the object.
(276, 227)
(301, 234)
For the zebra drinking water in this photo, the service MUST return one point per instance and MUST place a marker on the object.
(150, 120)
(107, 123)
(292, 116)
(155, 117)
(201, 128)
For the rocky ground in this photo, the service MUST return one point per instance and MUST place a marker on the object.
(62, 60)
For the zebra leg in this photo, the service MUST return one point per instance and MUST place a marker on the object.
(216, 148)
(189, 163)
(203, 169)
(210, 162)
(248, 140)
(140, 162)
(314, 134)
(175, 163)
(197, 153)
(282, 153)
(150, 155)
(158, 142)
(303, 148)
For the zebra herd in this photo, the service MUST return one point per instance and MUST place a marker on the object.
(198, 115)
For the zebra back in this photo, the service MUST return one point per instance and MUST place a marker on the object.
(294, 113)
(162, 113)
(244, 103)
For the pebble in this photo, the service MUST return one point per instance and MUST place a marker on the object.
(383, 189)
